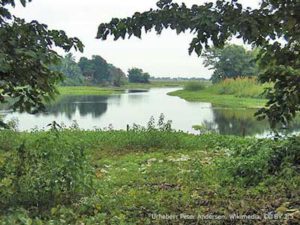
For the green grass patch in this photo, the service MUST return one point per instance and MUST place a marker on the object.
(87, 90)
(239, 93)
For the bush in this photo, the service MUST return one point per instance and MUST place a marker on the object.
(46, 170)
(261, 160)
(194, 86)
(240, 87)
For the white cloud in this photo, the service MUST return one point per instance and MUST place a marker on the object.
(164, 55)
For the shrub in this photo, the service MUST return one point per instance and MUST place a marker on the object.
(154, 135)
(46, 170)
(261, 160)
(240, 87)
(194, 86)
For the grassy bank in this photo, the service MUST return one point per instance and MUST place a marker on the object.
(239, 93)
(157, 84)
(94, 90)
(87, 90)
(227, 101)
(118, 177)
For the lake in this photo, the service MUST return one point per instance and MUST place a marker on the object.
(136, 106)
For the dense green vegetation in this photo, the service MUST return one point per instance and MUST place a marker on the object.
(241, 87)
(116, 177)
(26, 51)
(194, 86)
(232, 61)
(95, 71)
(232, 93)
(136, 75)
(98, 72)
(72, 74)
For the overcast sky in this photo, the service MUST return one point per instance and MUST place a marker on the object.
(164, 55)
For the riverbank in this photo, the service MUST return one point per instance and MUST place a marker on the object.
(219, 100)
(230, 93)
(143, 177)
(157, 84)
(88, 90)
(94, 90)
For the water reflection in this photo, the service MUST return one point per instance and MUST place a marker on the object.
(85, 105)
(137, 107)
(240, 122)
(137, 91)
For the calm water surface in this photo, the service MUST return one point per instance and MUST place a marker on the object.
(137, 107)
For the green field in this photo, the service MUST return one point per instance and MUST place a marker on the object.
(239, 93)
(118, 177)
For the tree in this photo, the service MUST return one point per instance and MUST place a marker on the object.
(101, 74)
(230, 62)
(136, 75)
(215, 23)
(117, 76)
(95, 69)
(26, 51)
(71, 71)
(86, 67)
(98, 71)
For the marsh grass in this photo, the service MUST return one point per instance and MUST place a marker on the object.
(194, 86)
(143, 171)
(240, 87)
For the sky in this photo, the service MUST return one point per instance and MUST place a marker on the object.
(160, 55)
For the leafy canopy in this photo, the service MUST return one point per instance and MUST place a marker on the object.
(230, 62)
(117, 76)
(213, 24)
(71, 71)
(136, 75)
(98, 71)
(26, 51)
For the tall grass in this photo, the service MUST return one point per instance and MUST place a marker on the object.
(194, 86)
(240, 87)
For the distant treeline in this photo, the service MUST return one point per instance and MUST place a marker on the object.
(94, 71)
(178, 79)
(97, 71)
(232, 61)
